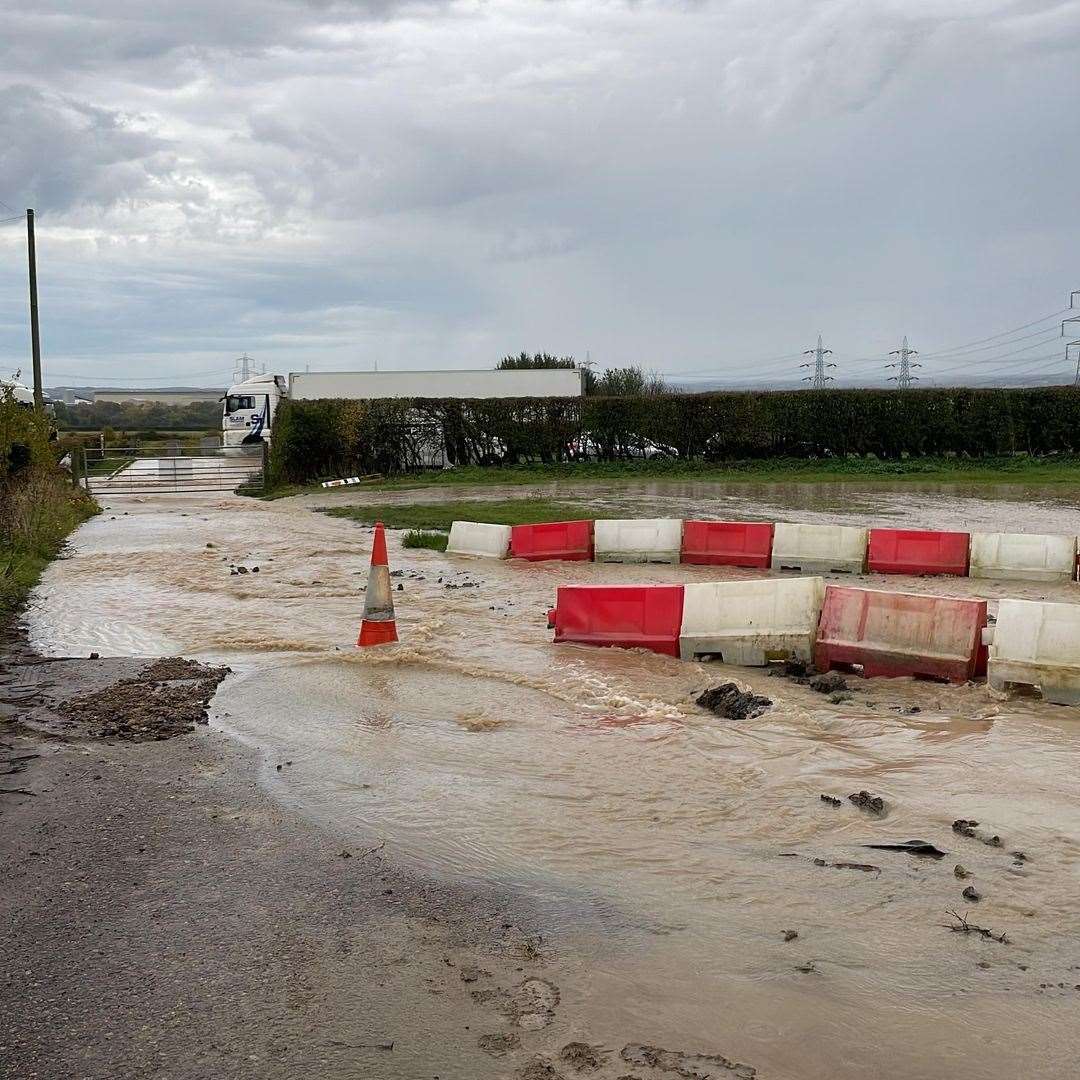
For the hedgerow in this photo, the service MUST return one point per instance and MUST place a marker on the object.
(333, 437)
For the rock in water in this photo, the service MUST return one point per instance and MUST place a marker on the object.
(872, 804)
(728, 701)
(832, 682)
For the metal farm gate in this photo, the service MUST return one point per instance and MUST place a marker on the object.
(140, 470)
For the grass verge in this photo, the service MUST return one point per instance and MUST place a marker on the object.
(38, 510)
(422, 538)
(1017, 469)
(421, 516)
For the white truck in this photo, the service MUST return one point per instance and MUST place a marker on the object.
(248, 408)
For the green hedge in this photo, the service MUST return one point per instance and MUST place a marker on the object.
(332, 437)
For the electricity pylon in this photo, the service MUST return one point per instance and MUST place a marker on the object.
(818, 380)
(904, 378)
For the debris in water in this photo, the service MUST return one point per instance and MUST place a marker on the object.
(832, 682)
(728, 701)
(363, 1046)
(964, 826)
(992, 841)
(913, 847)
(962, 926)
(790, 935)
(792, 668)
(866, 868)
(807, 968)
(480, 721)
(960, 872)
(1019, 856)
(872, 804)
(692, 1066)
(970, 893)
(840, 698)
(832, 800)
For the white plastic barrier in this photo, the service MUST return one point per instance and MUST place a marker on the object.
(750, 623)
(476, 538)
(635, 540)
(1025, 556)
(1038, 645)
(819, 549)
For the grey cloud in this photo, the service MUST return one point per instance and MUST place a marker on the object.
(60, 151)
(434, 182)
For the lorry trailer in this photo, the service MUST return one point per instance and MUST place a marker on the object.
(248, 408)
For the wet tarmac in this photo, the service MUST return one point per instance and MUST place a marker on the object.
(671, 848)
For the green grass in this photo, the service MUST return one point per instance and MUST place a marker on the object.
(421, 538)
(442, 515)
(36, 516)
(1014, 469)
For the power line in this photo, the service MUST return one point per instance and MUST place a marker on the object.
(984, 348)
(1004, 333)
(130, 378)
(992, 361)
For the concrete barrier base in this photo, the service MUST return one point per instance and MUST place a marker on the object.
(666, 557)
(1036, 645)
(1055, 685)
(818, 566)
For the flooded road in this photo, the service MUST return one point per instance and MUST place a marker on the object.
(671, 849)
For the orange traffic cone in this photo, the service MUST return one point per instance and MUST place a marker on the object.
(378, 627)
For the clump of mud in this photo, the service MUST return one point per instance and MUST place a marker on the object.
(498, 1044)
(728, 701)
(529, 1005)
(540, 1069)
(167, 698)
(692, 1066)
(582, 1057)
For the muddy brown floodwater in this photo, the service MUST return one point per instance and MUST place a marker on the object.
(672, 849)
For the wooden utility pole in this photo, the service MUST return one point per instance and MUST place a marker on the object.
(35, 336)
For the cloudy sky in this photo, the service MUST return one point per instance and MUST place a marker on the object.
(695, 187)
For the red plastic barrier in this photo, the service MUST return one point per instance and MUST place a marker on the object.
(893, 634)
(626, 616)
(568, 540)
(911, 551)
(727, 543)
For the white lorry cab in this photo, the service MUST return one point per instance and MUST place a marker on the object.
(248, 410)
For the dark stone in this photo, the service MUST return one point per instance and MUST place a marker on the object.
(872, 804)
(832, 682)
(728, 701)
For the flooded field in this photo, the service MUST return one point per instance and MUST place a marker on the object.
(671, 849)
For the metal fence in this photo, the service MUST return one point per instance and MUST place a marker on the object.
(174, 469)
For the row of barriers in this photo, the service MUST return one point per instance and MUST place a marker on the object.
(808, 549)
(751, 623)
